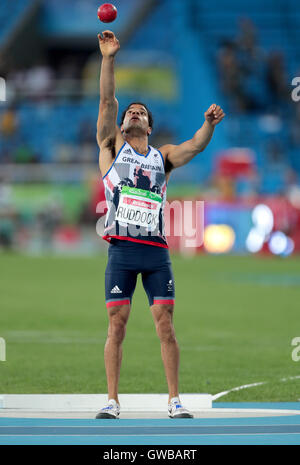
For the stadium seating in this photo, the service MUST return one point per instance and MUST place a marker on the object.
(277, 29)
(204, 25)
(11, 13)
(83, 21)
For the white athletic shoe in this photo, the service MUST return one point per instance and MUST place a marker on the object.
(176, 409)
(110, 411)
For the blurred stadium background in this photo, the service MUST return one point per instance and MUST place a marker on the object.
(178, 57)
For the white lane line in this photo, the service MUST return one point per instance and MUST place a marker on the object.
(159, 426)
(238, 388)
(139, 436)
(245, 386)
(290, 378)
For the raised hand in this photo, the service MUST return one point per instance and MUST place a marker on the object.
(108, 43)
(214, 115)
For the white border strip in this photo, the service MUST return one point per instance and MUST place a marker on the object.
(93, 402)
(129, 402)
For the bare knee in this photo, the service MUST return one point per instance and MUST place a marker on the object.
(118, 317)
(163, 317)
(116, 332)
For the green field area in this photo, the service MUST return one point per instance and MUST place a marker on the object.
(235, 318)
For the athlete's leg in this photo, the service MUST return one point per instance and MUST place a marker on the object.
(119, 288)
(118, 316)
(159, 286)
(163, 319)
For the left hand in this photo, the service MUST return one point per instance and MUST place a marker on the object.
(214, 115)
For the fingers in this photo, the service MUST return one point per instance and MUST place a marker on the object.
(215, 114)
(219, 114)
(211, 109)
(108, 35)
(218, 111)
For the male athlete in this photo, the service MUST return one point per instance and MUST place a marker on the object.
(135, 177)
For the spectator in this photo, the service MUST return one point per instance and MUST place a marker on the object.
(87, 132)
(87, 135)
(9, 124)
(251, 60)
(231, 75)
(8, 215)
(277, 79)
(275, 151)
(89, 214)
(25, 154)
(249, 53)
(16, 80)
(68, 79)
(39, 81)
(295, 125)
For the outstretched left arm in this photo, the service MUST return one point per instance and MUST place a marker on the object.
(179, 155)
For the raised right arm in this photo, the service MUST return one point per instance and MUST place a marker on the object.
(109, 136)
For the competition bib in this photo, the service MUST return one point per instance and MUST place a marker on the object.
(139, 207)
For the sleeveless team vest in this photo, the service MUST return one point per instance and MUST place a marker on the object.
(135, 192)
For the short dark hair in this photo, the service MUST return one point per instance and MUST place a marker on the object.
(150, 116)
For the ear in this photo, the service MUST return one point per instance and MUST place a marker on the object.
(149, 131)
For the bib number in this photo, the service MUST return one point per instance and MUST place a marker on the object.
(139, 207)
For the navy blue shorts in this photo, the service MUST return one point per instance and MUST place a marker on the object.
(126, 260)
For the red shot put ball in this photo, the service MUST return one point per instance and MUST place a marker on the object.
(107, 13)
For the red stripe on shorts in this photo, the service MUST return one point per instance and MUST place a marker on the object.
(118, 302)
(107, 238)
(168, 302)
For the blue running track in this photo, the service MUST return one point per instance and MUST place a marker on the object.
(280, 430)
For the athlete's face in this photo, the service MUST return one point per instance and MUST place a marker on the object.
(136, 117)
